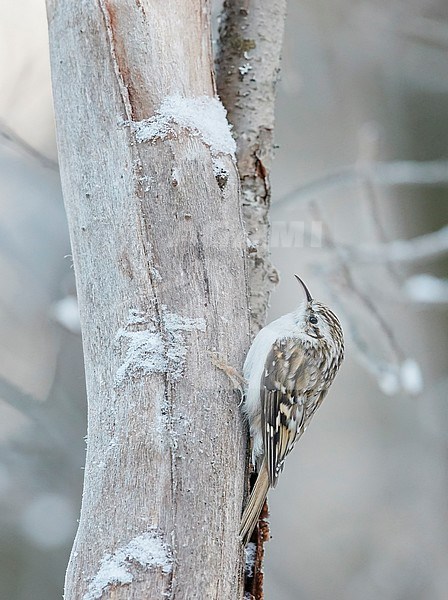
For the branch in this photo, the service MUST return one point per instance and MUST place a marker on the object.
(424, 30)
(424, 247)
(18, 399)
(394, 372)
(11, 136)
(383, 174)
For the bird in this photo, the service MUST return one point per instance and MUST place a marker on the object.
(288, 370)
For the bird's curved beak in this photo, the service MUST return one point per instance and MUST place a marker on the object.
(309, 297)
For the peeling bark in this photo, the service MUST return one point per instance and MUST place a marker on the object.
(158, 249)
(251, 36)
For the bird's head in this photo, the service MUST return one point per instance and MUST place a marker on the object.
(317, 322)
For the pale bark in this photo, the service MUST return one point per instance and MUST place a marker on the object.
(251, 37)
(153, 233)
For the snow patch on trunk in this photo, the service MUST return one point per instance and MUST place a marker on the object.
(155, 349)
(146, 551)
(202, 116)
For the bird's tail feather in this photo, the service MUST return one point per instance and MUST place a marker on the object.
(254, 505)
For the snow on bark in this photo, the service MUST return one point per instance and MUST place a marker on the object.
(202, 116)
(154, 350)
(145, 551)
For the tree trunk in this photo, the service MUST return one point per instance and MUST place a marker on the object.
(251, 38)
(158, 250)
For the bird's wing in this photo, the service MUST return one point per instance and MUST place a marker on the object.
(283, 412)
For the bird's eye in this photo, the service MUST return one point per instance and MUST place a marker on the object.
(313, 320)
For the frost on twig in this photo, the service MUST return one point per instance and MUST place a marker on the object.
(153, 349)
(66, 313)
(394, 376)
(146, 551)
(377, 348)
(427, 288)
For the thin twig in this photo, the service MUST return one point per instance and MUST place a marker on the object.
(18, 399)
(6, 133)
(350, 283)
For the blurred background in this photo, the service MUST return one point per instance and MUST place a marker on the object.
(360, 211)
